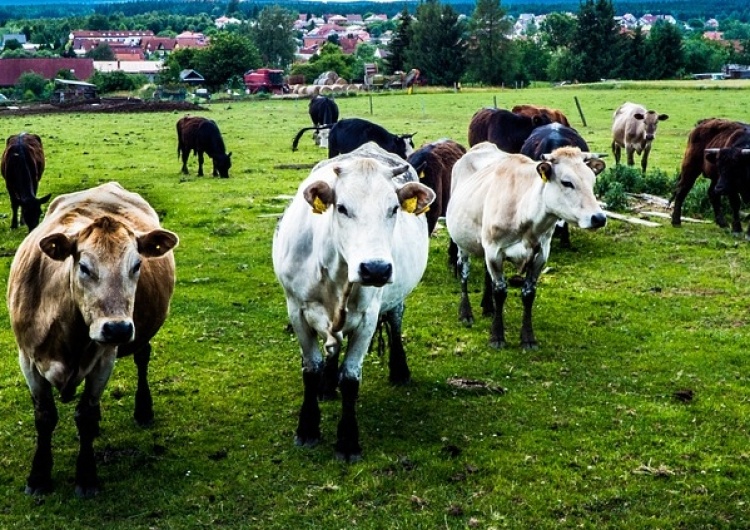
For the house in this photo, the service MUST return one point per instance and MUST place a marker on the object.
(20, 38)
(11, 69)
(221, 22)
(191, 77)
(150, 69)
(189, 39)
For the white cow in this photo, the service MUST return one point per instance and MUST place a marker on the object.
(634, 128)
(350, 247)
(508, 210)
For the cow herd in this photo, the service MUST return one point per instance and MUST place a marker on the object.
(93, 280)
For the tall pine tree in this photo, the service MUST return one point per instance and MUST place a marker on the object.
(489, 50)
(436, 47)
(396, 60)
(595, 41)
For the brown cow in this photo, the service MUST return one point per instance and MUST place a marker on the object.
(434, 163)
(202, 135)
(634, 128)
(22, 167)
(720, 150)
(554, 115)
(91, 283)
(503, 128)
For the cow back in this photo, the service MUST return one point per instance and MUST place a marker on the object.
(503, 128)
(543, 140)
(554, 115)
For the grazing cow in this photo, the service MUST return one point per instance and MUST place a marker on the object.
(22, 167)
(91, 283)
(323, 111)
(554, 115)
(634, 128)
(508, 210)
(348, 250)
(201, 135)
(503, 128)
(434, 163)
(351, 133)
(720, 150)
(542, 141)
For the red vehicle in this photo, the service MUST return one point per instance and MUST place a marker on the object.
(265, 81)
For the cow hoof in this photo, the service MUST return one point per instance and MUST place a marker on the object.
(677, 224)
(467, 321)
(38, 490)
(400, 380)
(533, 345)
(497, 344)
(304, 441)
(144, 420)
(349, 457)
(86, 492)
(328, 395)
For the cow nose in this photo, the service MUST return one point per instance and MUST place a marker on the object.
(376, 272)
(649, 137)
(117, 332)
(598, 220)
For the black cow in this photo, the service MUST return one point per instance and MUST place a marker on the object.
(351, 133)
(323, 111)
(542, 141)
(507, 130)
(22, 167)
(201, 135)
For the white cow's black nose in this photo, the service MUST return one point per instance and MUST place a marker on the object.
(598, 220)
(376, 272)
(117, 331)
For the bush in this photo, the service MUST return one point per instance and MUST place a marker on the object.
(696, 203)
(617, 181)
(117, 81)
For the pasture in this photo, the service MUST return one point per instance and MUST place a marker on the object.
(633, 413)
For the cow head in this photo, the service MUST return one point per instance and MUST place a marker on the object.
(363, 203)
(106, 263)
(31, 210)
(408, 141)
(569, 176)
(222, 163)
(650, 120)
(733, 167)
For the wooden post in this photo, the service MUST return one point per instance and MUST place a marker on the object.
(371, 106)
(494, 101)
(580, 112)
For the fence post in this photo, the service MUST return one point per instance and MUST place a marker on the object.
(370, 104)
(580, 112)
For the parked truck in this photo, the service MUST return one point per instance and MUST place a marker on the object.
(265, 81)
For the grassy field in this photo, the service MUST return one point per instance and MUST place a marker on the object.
(590, 431)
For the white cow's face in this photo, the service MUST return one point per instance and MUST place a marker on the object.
(569, 188)
(363, 204)
(106, 265)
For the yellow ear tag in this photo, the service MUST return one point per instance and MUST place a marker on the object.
(421, 174)
(319, 206)
(545, 178)
(409, 205)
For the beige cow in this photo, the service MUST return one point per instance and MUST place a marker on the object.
(634, 129)
(91, 283)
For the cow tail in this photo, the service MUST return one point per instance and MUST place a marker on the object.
(302, 131)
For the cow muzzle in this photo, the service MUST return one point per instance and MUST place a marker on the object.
(114, 332)
(598, 220)
(375, 273)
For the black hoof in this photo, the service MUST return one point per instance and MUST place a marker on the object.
(467, 322)
(328, 395)
(86, 492)
(530, 345)
(306, 441)
(349, 457)
(497, 344)
(38, 490)
(144, 419)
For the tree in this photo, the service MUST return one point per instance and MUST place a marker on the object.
(273, 36)
(227, 55)
(12, 44)
(436, 47)
(558, 30)
(31, 85)
(634, 56)
(665, 56)
(102, 52)
(703, 55)
(595, 40)
(330, 58)
(396, 60)
(233, 8)
(489, 53)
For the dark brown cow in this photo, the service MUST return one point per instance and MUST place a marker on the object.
(91, 283)
(503, 128)
(201, 135)
(434, 163)
(720, 150)
(554, 115)
(22, 167)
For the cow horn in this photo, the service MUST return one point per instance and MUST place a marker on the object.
(587, 155)
(713, 150)
(746, 151)
(400, 170)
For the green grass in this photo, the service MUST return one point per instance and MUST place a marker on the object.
(588, 433)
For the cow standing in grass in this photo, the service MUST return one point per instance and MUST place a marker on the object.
(348, 250)
(503, 128)
(201, 135)
(508, 211)
(91, 283)
(634, 129)
(22, 166)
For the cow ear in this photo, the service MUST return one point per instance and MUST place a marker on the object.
(43, 200)
(229, 155)
(58, 246)
(156, 243)
(319, 195)
(711, 155)
(415, 198)
(638, 116)
(545, 170)
(596, 165)
(663, 117)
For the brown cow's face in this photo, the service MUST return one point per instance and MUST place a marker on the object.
(106, 266)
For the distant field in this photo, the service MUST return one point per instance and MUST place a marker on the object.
(596, 429)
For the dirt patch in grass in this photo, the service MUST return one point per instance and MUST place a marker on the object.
(104, 105)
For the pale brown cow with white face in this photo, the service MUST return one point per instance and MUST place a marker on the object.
(634, 128)
(91, 283)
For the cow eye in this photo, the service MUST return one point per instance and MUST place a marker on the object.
(393, 212)
(136, 268)
(342, 210)
(85, 271)
(568, 184)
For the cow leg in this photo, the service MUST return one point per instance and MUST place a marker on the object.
(629, 150)
(487, 304)
(464, 308)
(200, 163)
(528, 294)
(185, 156)
(562, 231)
(308, 427)
(617, 151)
(734, 204)
(87, 417)
(39, 481)
(144, 404)
(684, 185)
(399, 369)
(453, 258)
(715, 200)
(330, 378)
(499, 294)
(14, 206)
(644, 157)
